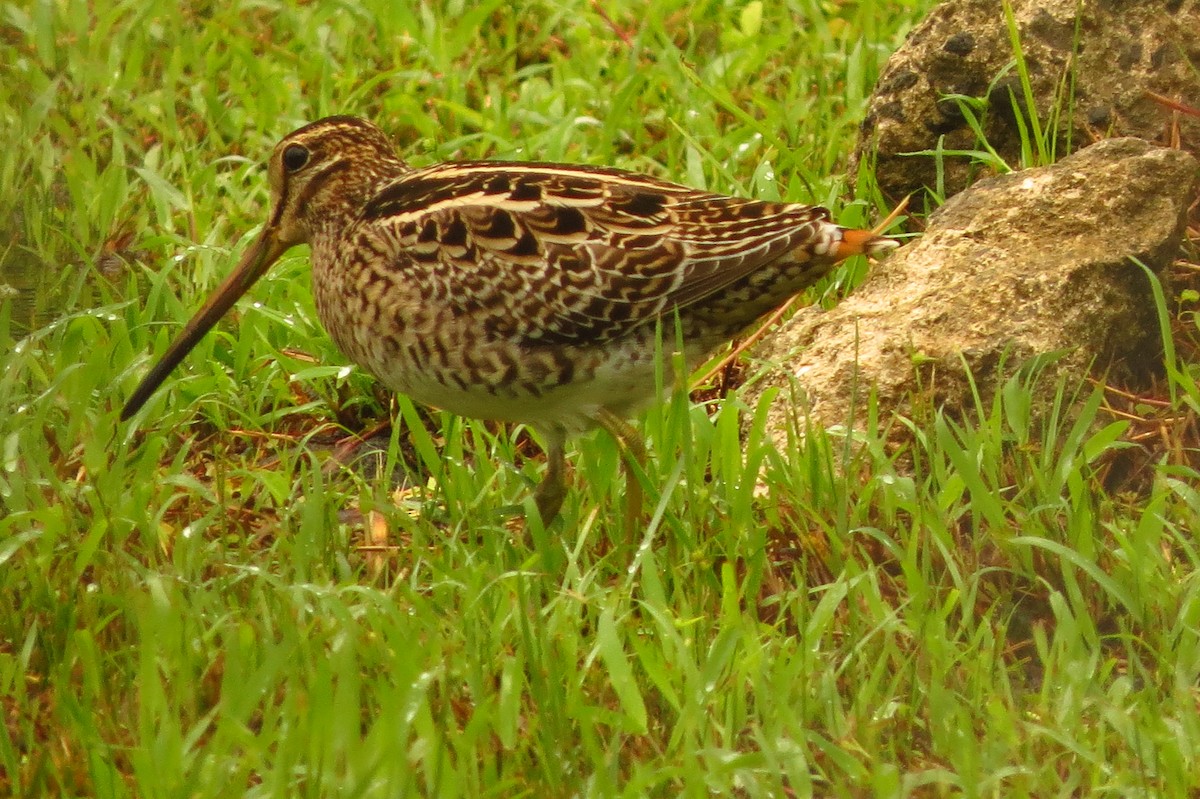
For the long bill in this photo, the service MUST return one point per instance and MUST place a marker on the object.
(265, 251)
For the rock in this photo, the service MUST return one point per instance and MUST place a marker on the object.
(1123, 50)
(1016, 266)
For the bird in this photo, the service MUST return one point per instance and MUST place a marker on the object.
(522, 292)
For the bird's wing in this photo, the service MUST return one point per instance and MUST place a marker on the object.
(556, 254)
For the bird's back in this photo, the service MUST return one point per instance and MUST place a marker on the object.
(527, 291)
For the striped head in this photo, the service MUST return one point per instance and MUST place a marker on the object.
(324, 172)
(320, 174)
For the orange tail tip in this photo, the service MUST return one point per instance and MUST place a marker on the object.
(863, 242)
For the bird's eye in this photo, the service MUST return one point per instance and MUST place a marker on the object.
(295, 156)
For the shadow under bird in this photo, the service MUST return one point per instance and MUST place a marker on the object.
(520, 292)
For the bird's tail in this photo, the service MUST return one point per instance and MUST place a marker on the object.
(863, 242)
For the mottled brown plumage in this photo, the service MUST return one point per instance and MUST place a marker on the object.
(521, 292)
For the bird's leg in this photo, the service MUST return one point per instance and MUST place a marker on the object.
(633, 450)
(550, 493)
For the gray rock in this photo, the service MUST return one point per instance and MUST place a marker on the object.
(1123, 50)
(1016, 266)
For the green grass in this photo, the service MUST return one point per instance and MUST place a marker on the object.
(1007, 607)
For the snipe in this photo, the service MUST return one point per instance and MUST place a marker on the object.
(521, 292)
